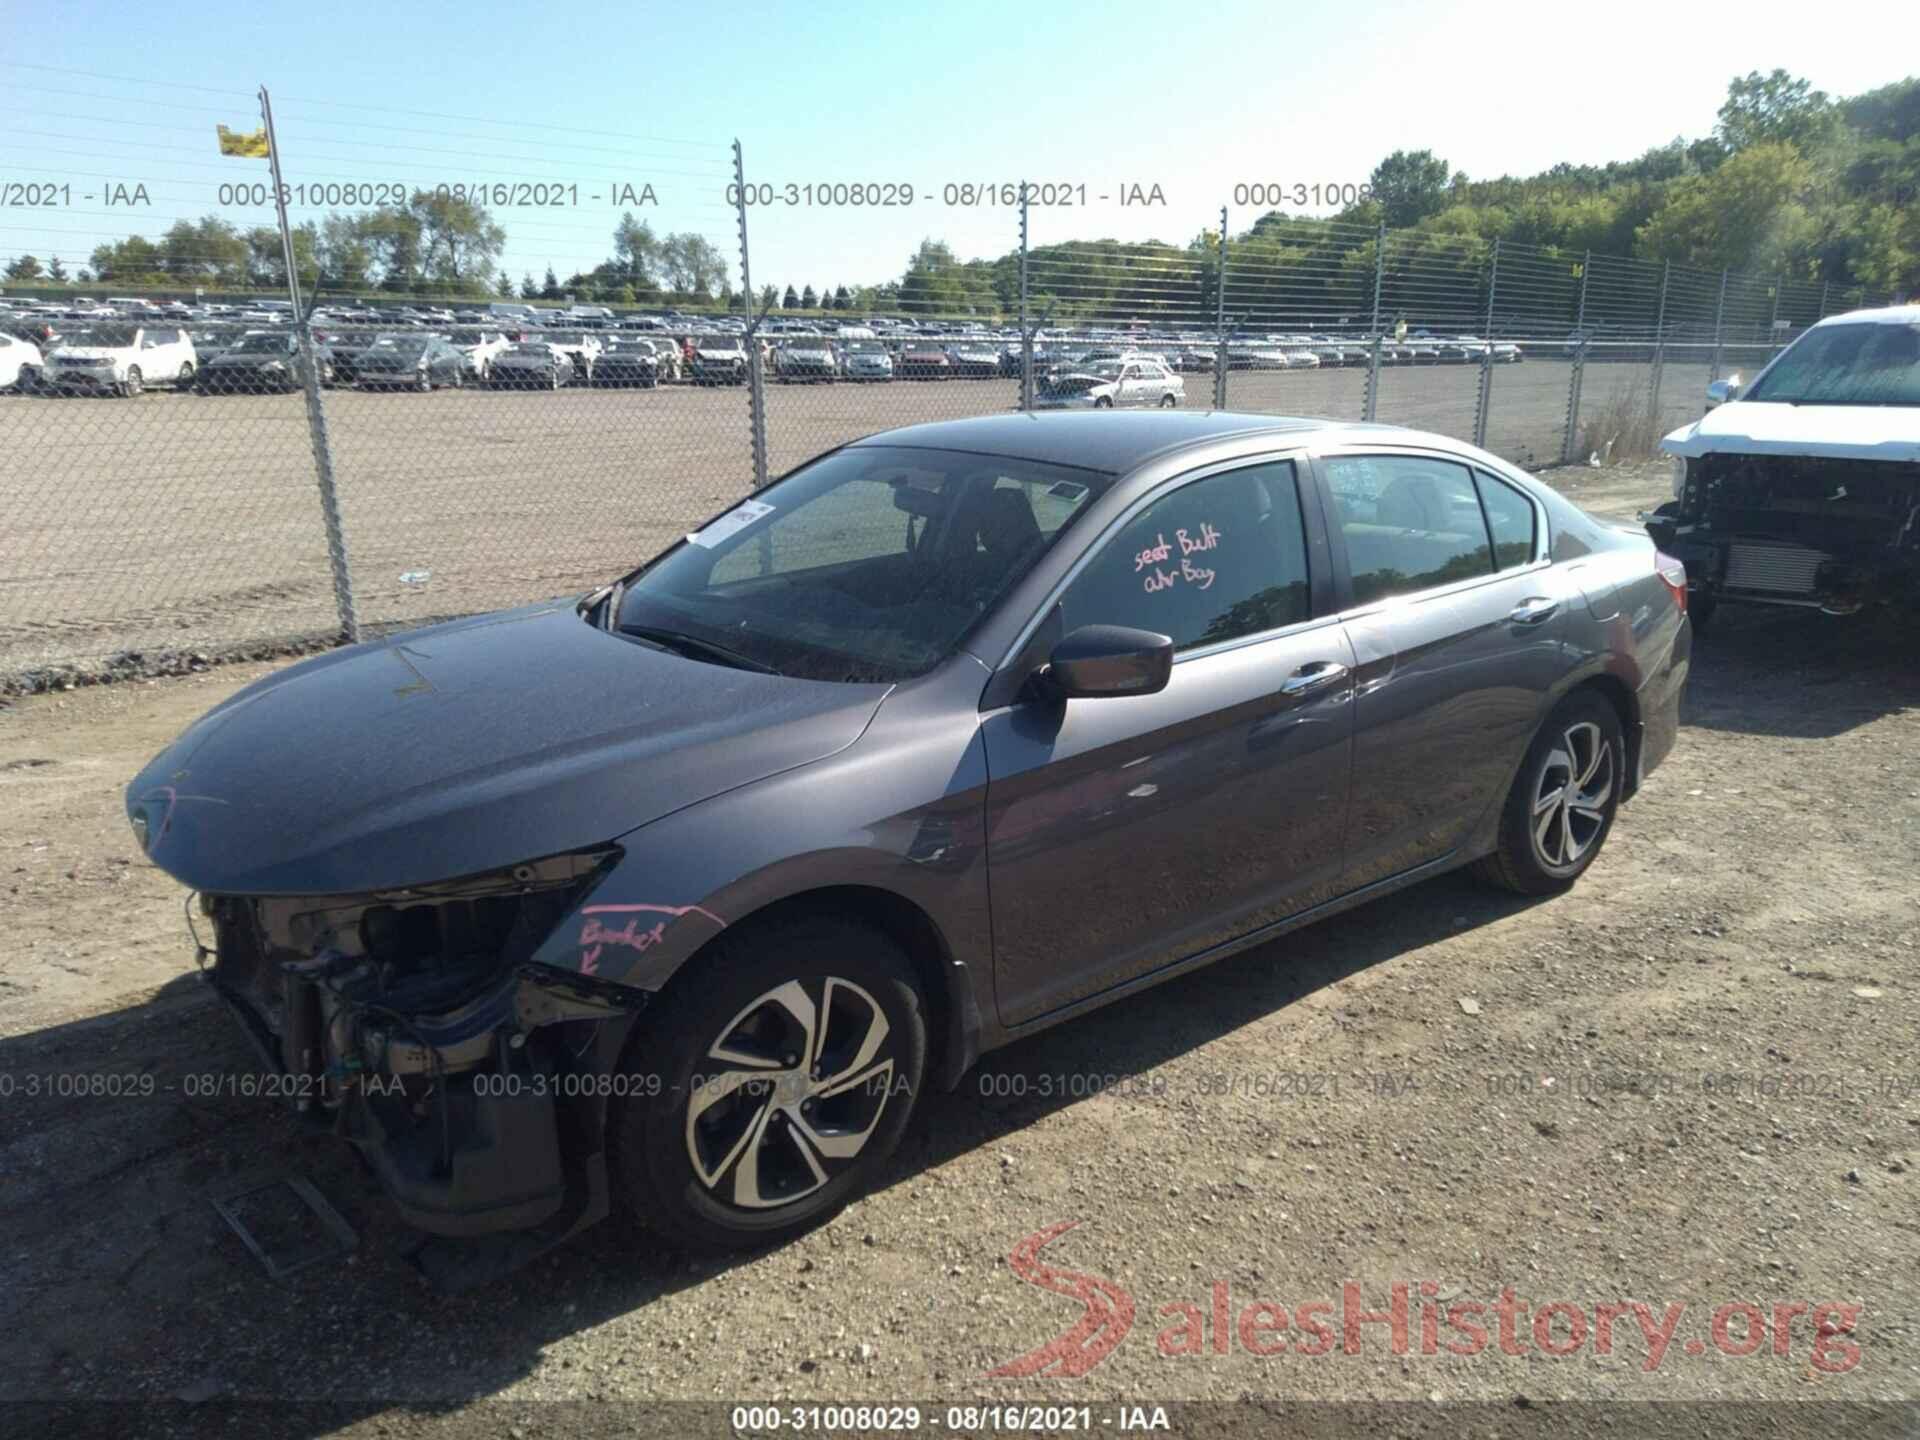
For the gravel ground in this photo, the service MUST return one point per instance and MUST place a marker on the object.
(170, 525)
(1690, 1081)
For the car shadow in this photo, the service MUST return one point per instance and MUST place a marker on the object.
(120, 1243)
(1775, 670)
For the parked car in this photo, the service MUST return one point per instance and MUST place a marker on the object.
(262, 360)
(480, 348)
(347, 350)
(18, 357)
(532, 364)
(866, 361)
(923, 360)
(627, 362)
(1107, 384)
(975, 360)
(1803, 487)
(805, 361)
(585, 349)
(692, 945)
(716, 358)
(415, 362)
(121, 359)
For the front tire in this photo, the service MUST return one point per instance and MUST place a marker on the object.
(1563, 802)
(786, 1074)
(133, 384)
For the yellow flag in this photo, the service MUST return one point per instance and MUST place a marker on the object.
(249, 147)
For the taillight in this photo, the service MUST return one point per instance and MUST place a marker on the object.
(1673, 575)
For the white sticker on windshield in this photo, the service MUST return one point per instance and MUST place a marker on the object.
(730, 524)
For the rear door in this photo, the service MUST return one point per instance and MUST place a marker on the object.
(1456, 618)
(1129, 833)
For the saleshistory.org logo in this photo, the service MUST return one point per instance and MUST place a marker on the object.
(1559, 1328)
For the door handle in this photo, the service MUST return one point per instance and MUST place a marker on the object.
(1533, 610)
(1312, 677)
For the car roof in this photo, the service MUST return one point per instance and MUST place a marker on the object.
(1117, 441)
(1888, 315)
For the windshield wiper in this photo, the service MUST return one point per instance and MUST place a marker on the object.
(696, 649)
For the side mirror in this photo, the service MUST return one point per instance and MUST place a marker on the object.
(1103, 660)
(1719, 392)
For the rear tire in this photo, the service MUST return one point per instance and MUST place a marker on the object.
(1563, 802)
(711, 1158)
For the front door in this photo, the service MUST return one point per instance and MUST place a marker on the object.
(1125, 834)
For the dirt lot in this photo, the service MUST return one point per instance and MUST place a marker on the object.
(175, 524)
(1692, 1081)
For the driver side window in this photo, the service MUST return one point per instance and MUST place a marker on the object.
(1214, 560)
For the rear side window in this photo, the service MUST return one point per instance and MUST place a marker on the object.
(1214, 560)
(1511, 519)
(1410, 523)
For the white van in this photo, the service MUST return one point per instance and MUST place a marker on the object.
(124, 358)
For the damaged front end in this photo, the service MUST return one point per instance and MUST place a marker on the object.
(416, 1024)
(1819, 532)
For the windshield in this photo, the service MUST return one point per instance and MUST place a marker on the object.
(716, 342)
(115, 336)
(1858, 364)
(275, 343)
(533, 347)
(870, 564)
(469, 337)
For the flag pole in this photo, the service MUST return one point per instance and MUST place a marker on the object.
(316, 405)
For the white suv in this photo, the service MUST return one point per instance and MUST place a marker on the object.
(122, 358)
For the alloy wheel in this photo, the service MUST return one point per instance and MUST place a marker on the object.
(790, 1093)
(1570, 797)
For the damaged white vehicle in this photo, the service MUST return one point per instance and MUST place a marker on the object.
(1803, 487)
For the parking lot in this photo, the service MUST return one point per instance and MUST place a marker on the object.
(1689, 1082)
(173, 524)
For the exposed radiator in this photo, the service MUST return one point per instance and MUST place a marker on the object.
(1787, 569)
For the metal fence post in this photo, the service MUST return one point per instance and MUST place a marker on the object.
(1026, 331)
(1719, 329)
(756, 388)
(1579, 365)
(1773, 323)
(1659, 342)
(316, 409)
(1220, 321)
(1825, 285)
(1485, 401)
(1370, 405)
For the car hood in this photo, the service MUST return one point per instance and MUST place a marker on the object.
(252, 360)
(87, 352)
(704, 353)
(1758, 427)
(466, 747)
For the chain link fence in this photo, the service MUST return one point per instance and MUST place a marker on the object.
(175, 485)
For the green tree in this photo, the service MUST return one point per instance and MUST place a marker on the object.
(550, 287)
(808, 299)
(636, 251)
(841, 299)
(1773, 109)
(528, 290)
(504, 289)
(26, 267)
(56, 272)
(1410, 185)
(791, 300)
(1750, 214)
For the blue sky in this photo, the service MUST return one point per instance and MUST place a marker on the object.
(1193, 99)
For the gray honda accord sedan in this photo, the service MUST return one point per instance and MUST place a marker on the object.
(672, 899)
